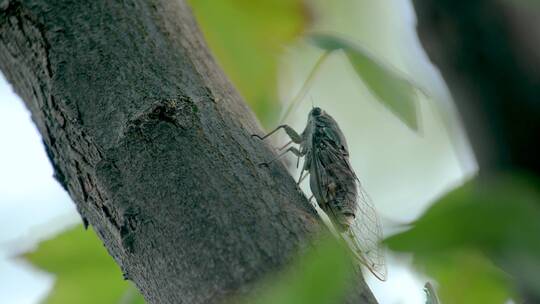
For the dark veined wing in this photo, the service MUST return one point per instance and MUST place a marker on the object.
(365, 236)
(334, 183)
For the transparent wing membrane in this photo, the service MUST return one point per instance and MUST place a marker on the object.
(365, 235)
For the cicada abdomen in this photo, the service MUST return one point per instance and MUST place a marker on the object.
(333, 186)
(340, 195)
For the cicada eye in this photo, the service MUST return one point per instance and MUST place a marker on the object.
(316, 111)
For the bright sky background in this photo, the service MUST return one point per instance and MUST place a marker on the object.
(33, 206)
(403, 171)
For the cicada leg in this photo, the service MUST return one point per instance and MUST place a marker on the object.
(291, 149)
(285, 145)
(295, 137)
(302, 177)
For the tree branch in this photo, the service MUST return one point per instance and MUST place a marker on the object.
(487, 52)
(152, 143)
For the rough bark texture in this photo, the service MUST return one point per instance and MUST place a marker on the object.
(153, 145)
(488, 52)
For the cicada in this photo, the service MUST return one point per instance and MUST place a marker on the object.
(336, 187)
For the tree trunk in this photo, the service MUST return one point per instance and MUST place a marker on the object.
(488, 52)
(153, 145)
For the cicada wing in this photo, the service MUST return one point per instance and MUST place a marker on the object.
(365, 236)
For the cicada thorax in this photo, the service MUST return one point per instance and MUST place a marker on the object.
(332, 179)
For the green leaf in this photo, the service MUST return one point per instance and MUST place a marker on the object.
(247, 37)
(468, 277)
(85, 273)
(496, 215)
(497, 220)
(394, 91)
(321, 276)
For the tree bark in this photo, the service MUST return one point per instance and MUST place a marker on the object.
(153, 145)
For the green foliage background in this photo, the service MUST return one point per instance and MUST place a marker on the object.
(247, 37)
(84, 271)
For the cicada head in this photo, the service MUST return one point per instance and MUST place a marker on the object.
(315, 116)
(315, 112)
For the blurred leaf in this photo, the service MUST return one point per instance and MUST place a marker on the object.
(247, 38)
(395, 92)
(85, 273)
(498, 217)
(468, 277)
(322, 276)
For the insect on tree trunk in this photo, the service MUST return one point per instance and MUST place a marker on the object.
(153, 145)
